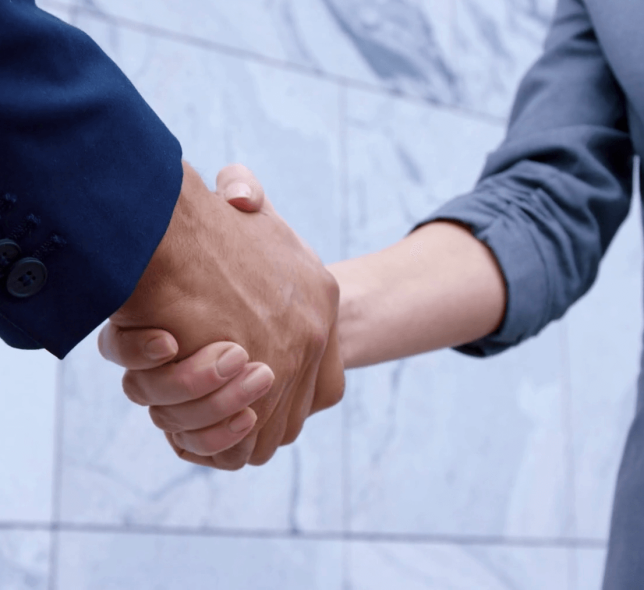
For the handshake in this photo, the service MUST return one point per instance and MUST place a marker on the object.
(230, 337)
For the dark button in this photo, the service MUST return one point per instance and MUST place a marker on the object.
(9, 253)
(27, 277)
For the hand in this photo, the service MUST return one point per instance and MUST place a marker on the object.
(204, 397)
(214, 279)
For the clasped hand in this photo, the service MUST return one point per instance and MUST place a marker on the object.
(230, 337)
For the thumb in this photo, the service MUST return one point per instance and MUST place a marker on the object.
(238, 185)
(136, 349)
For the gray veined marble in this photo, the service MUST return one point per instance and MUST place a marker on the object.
(61, 9)
(397, 40)
(404, 159)
(604, 343)
(284, 126)
(468, 53)
(27, 407)
(441, 443)
(525, 445)
(164, 562)
(117, 468)
(589, 568)
(24, 560)
(493, 45)
(381, 566)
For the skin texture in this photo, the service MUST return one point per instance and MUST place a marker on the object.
(224, 276)
(438, 287)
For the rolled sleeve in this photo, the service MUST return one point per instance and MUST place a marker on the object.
(524, 270)
(552, 197)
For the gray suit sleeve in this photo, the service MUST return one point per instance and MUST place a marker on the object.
(553, 195)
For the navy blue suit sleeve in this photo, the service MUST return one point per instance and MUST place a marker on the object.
(552, 197)
(89, 177)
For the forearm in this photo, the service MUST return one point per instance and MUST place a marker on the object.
(438, 287)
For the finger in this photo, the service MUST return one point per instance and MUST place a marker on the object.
(186, 456)
(238, 185)
(215, 439)
(199, 460)
(330, 383)
(271, 435)
(136, 349)
(237, 456)
(175, 383)
(254, 381)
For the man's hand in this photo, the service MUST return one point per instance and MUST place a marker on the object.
(222, 276)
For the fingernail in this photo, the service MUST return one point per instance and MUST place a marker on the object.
(159, 349)
(232, 362)
(259, 379)
(243, 421)
(238, 190)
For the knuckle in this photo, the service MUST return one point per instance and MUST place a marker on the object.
(230, 460)
(332, 288)
(333, 398)
(186, 385)
(132, 388)
(242, 399)
(207, 443)
(262, 456)
(291, 434)
(161, 420)
(210, 378)
(338, 393)
(317, 333)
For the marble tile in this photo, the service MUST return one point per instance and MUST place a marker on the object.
(404, 160)
(406, 44)
(589, 568)
(468, 52)
(493, 45)
(380, 566)
(604, 333)
(302, 33)
(27, 437)
(61, 9)
(442, 443)
(24, 560)
(284, 126)
(116, 467)
(160, 562)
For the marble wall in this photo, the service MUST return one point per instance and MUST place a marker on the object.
(438, 471)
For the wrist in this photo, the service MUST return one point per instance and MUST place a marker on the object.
(357, 289)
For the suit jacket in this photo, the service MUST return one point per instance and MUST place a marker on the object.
(553, 195)
(89, 177)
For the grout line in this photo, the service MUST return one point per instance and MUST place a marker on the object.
(253, 56)
(56, 480)
(344, 253)
(394, 538)
(569, 425)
